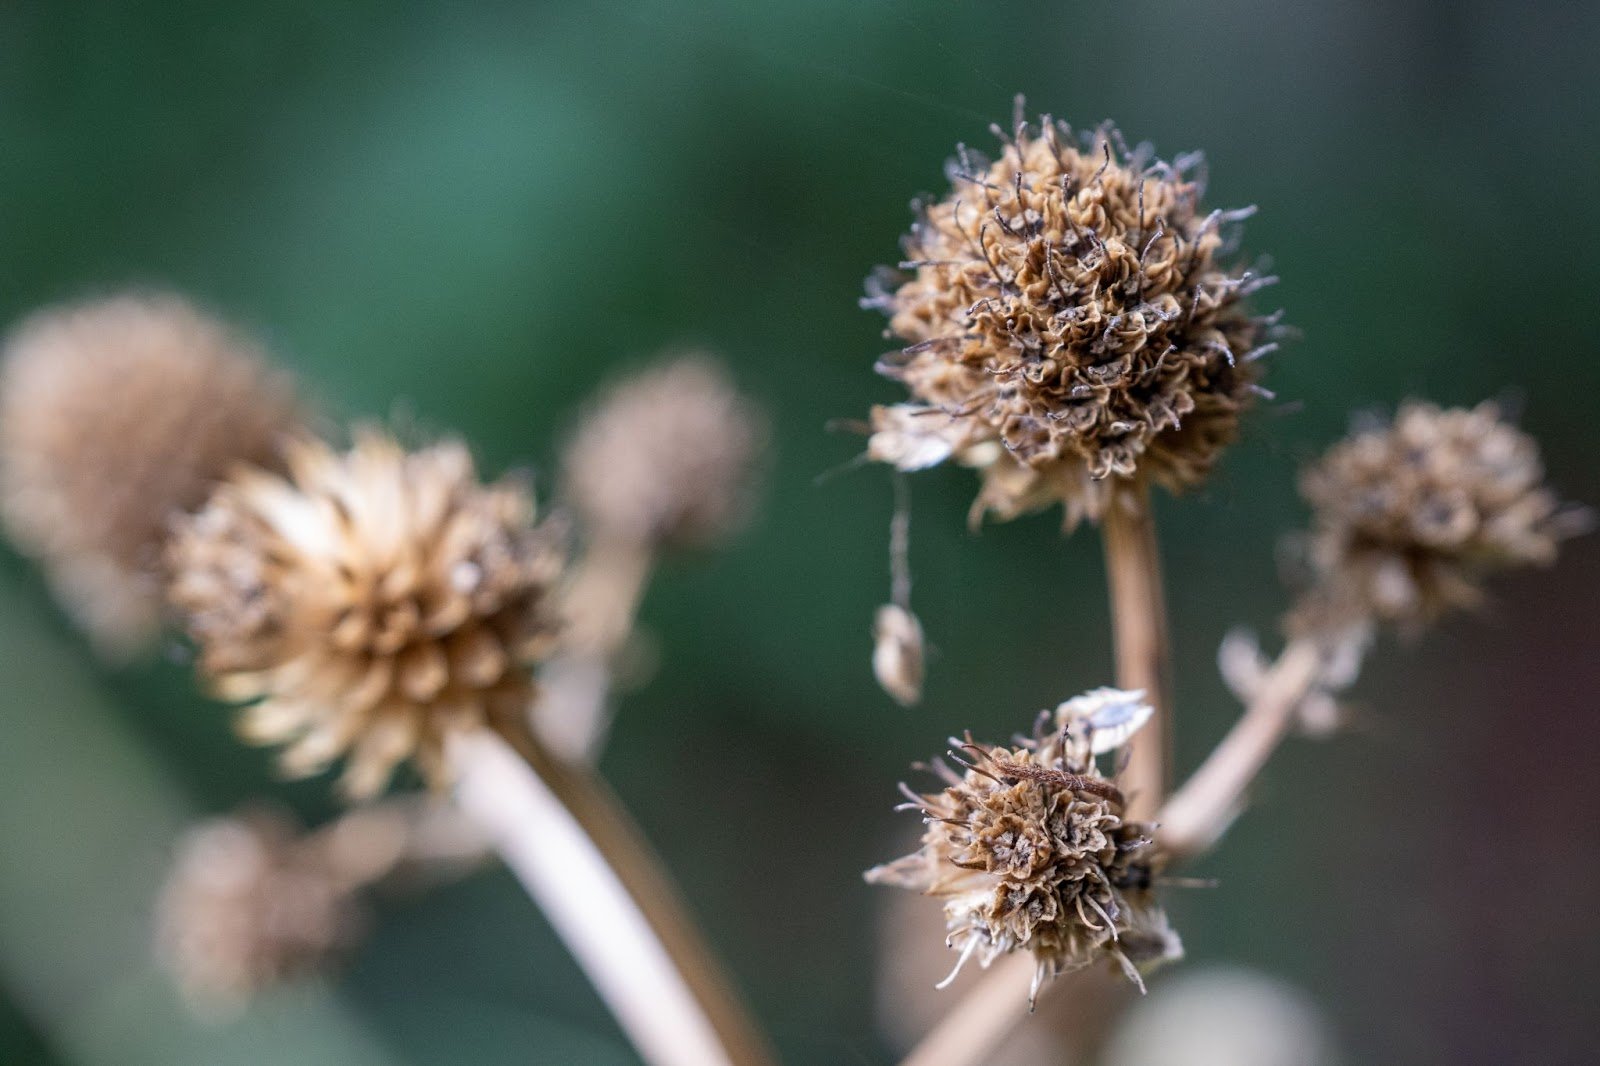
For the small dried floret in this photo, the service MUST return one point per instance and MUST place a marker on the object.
(1030, 848)
(1069, 324)
(1408, 516)
(372, 602)
(116, 415)
(667, 457)
(251, 902)
(897, 655)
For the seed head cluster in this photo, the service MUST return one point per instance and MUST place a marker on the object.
(371, 602)
(115, 416)
(251, 902)
(1029, 848)
(666, 458)
(1408, 516)
(1068, 323)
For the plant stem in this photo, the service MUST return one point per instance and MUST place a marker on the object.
(1193, 819)
(583, 861)
(573, 718)
(1139, 624)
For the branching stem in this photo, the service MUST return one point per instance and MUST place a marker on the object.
(576, 852)
(1196, 815)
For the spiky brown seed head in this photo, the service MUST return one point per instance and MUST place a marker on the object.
(1030, 849)
(116, 415)
(666, 458)
(371, 603)
(1408, 516)
(248, 903)
(1069, 323)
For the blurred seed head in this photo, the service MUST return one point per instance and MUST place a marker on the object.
(251, 902)
(1069, 323)
(1223, 1017)
(1029, 849)
(1408, 516)
(897, 656)
(115, 416)
(666, 458)
(370, 603)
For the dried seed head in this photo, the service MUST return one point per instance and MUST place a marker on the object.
(1068, 323)
(667, 457)
(1408, 516)
(1029, 848)
(372, 603)
(250, 902)
(897, 658)
(115, 415)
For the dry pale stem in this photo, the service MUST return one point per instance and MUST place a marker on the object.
(1139, 622)
(581, 858)
(1193, 819)
(574, 714)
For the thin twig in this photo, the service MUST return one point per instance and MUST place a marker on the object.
(1139, 622)
(1199, 812)
(589, 868)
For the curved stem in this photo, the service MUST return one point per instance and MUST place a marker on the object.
(581, 858)
(1139, 622)
(1193, 819)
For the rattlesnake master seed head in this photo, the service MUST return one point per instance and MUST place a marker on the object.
(666, 458)
(1410, 515)
(1030, 849)
(248, 903)
(1070, 321)
(370, 603)
(115, 415)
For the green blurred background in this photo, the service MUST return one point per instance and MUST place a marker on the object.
(470, 215)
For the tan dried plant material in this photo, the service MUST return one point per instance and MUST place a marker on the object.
(1409, 516)
(666, 458)
(1070, 321)
(371, 603)
(1029, 849)
(897, 654)
(251, 902)
(115, 416)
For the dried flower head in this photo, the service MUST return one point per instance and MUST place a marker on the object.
(115, 415)
(248, 903)
(666, 459)
(1029, 848)
(372, 603)
(1409, 515)
(1069, 322)
(897, 657)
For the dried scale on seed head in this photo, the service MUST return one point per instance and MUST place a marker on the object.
(666, 458)
(370, 603)
(1029, 848)
(1070, 323)
(1408, 516)
(115, 415)
(251, 902)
